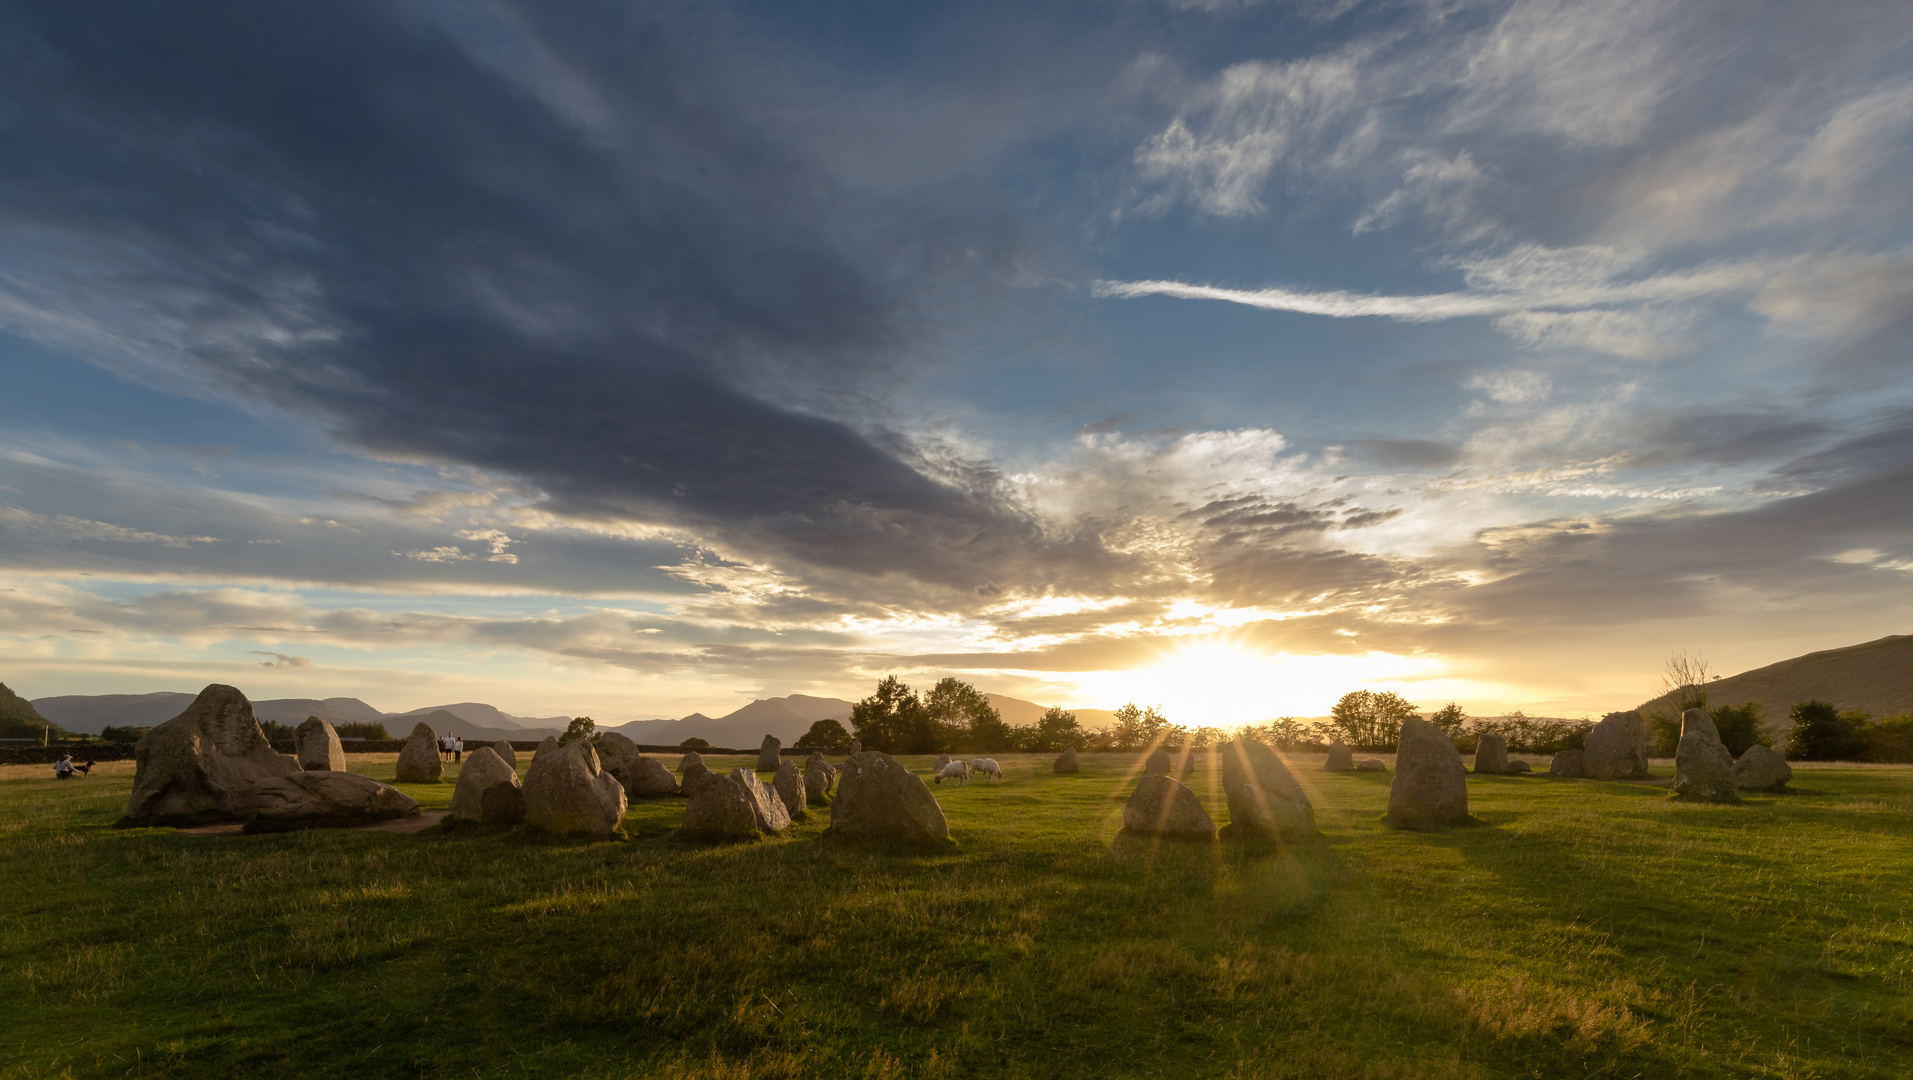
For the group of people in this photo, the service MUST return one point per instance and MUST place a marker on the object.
(450, 747)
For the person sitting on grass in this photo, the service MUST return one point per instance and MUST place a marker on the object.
(63, 769)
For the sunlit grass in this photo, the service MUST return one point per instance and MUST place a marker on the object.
(1588, 929)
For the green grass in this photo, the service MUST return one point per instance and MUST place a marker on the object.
(1587, 930)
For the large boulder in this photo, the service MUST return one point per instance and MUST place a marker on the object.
(718, 809)
(502, 804)
(1373, 764)
(1703, 769)
(1762, 768)
(505, 753)
(767, 754)
(1430, 788)
(613, 750)
(317, 746)
(789, 787)
(419, 762)
(1164, 806)
(645, 778)
(1491, 754)
(1278, 797)
(566, 791)
(1067, 763)
(1568, 763)
(1616, 748)
(1340, 757)
(766, 807)
(878, 799)
(819, 775)
(1696, 721)
(482, 768)
(1158, 763)
(327, 798)
(204, 762)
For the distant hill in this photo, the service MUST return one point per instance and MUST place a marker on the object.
(483, 715)
(94, 713)
(1876, 676)
(1019, 713)
(19, 719)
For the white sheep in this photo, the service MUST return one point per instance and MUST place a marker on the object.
(987, 768)
(956, 770)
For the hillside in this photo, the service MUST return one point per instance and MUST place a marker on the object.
(19, 719)
(1876, 676)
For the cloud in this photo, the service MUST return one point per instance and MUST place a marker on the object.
(281, 660)
(60, 528)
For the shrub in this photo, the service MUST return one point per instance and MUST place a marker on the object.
(1823, 733)
(1740, 726)
(822, 735)
(1891, 739)
(694, 743)
(123, 734)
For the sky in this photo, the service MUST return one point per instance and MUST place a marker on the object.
(631, 359)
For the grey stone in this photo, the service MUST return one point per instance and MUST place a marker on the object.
(482, 768)
(1067, 763)
(1255, 810)
(1340, 757)
(817, 778)
(1164, 806)
(878, 799)
(205, 761)
(1517, 767)
(329, 797)
(1247, 761)
(505, 753)
(502, 804)
(1567, 763)
(1491, 754)
(1158, 763)
(767, 754)
(690, 759)
(645, 778)
(1430, 788)
(419, 762)
(1697, 721)
(1762, 768)
(766, 807)
(1703, 769)
(614, 749)
(317, 746)
(566, 791)
(549, 744)
(1616, 749)
(856, 747)
(718, 809)
(789, 787)
(942, 760)
(1373, 764)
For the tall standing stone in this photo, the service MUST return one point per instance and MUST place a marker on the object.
(767, 754)
(1430, 789)
(765, 804)
(1703, 769)
(790, 788)
(419, 762)
(1696, 721)
(817, 780)
(205, 761)
(317, 746)
(483, 768)
(505, 753)
(1066, 762)
(1762, 768)
(1616, 748)
(878, 799)
(1340, 758)
(567, 791)
(1491, 754)
(1164, 806)
(1263, 795)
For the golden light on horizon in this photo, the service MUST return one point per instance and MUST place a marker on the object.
(1221, 683)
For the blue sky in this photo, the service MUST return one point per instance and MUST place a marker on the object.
(639, 359)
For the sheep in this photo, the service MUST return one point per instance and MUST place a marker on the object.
(956, 770)
(987, 768)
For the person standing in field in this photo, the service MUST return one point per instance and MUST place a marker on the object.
(458, 749)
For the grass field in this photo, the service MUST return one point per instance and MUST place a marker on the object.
(1587, 929)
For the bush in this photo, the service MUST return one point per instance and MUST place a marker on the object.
(1740, 726)
(123, 734)
(581, 727)
(694, 743)
(1891, 739)
(1823, 733)
(1528, 735)
(823, 735)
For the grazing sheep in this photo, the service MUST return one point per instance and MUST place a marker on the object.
(987, 768)
(956, 770)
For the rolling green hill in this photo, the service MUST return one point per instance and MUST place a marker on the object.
(1876, 676)
(20, 720)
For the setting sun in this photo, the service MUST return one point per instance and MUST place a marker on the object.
(1221, 683)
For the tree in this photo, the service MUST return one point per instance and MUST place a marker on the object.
(694, 743)
(964, 717)
(823, 735)
(363, 729)
(1056, 729)
(1823, 733)
(1450, 719)
(123, 734)
(1684, 679)
(1740, 726)
(1370, 720)
(580, 728)
(1136, 728)
(894, 720)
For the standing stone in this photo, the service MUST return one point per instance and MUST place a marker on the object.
(691, 768)
(505, 753)
(718, 809)
(204, 762)
(817, 780)
(767, 754)
(878, 799)
(1697, 721)
(790, 788)
(329, 797)
(502, 804)
(317, 746)
(1703, 769)
(1164, 806)
(1491, 754)
(1276, 796)
(1158, 763)
(1762, 768)
(1567, 763)
(419, 762)
(1340, 757)
(1430, 789)
(1067, 762)
(645, 778)
(942, 760)
(856, 747)
(482, 768)
(551, 744)
(1616, 749)
(567, 792)
(765, 805)
(1373, 764)
(1517, 767)
(614, 749)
